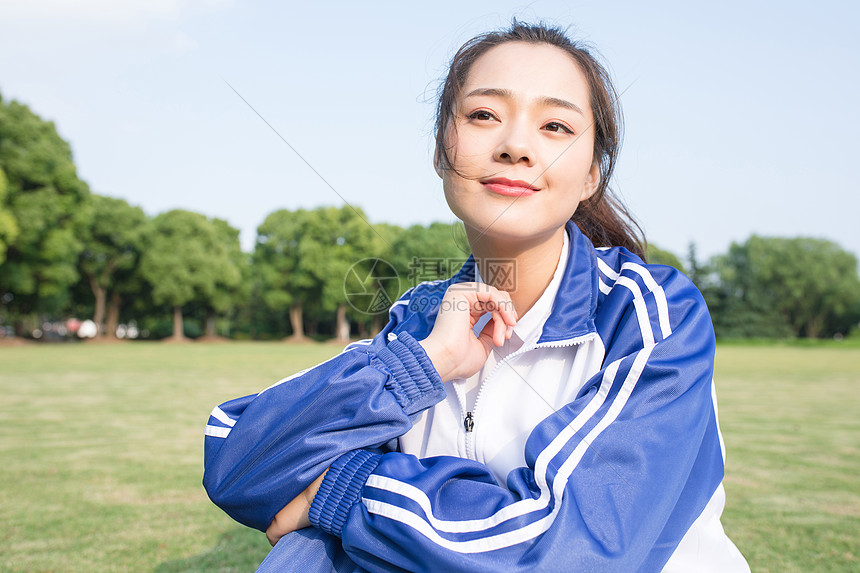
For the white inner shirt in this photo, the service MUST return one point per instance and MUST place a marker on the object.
(527, 329)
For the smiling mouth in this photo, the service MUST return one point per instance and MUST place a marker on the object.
(508, 187)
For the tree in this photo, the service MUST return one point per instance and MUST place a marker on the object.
(303, 257)
(186, 258)
(336, 239)
(230, 288)
(695, 270)
(805, 285)
(286, 280)
(45, 199)
(8, 226)
(658, 256)
(112, 243)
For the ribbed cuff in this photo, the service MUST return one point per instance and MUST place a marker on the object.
(341, 489)
(414, 380)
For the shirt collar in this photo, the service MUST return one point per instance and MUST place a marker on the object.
(528, 327)
(575, 302)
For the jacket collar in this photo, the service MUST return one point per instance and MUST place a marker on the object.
(575, 304)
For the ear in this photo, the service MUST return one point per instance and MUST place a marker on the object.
(592, 182)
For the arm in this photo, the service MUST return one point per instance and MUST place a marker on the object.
(263, 451)
(613, 480)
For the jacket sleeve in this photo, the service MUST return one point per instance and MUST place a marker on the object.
(261, 451)
(612, 483)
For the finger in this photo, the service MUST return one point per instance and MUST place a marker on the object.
(488, 333)
(500, 301)
(486, 338)
(501, 329)
(506, 308)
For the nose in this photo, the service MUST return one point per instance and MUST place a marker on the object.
(515, 147)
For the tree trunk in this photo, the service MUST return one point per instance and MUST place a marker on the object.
(21, 330)
(812, 328)
(112, 315)
(296, 321)
(99, 313)
(210, 323)
(178, 333)
(375, 325)
(342, 328)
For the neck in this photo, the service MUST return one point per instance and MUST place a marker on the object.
(522, 268)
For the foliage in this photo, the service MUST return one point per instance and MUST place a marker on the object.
(283, 276)
(112, 243)
(66, 252)
(657, 256)
(188, 257)
(43, 212)
(773, 286)
(429, 253)
(335, 239)
(8, 226)
(304, 256)
(233, 288)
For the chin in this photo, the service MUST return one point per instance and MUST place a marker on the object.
(505, 219)
(512, 230)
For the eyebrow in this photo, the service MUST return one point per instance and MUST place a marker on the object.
(545, 100)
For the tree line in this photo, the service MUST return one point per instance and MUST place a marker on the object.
(68, 252)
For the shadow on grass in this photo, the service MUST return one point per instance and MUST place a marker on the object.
(239, 550)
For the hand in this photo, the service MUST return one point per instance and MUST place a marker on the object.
(452, 346)
(294, 516)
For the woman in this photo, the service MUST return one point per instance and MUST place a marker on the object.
(566, 422)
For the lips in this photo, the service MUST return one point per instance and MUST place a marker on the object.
(509, 187)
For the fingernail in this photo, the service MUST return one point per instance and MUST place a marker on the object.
(509, 332)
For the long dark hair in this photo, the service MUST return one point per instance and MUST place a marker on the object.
(603, 218)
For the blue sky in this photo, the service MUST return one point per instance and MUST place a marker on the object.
(740, 118)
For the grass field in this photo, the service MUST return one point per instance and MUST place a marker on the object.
(101, 452)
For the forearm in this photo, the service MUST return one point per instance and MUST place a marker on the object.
(288, 435)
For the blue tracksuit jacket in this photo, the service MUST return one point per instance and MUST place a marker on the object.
(612, 482)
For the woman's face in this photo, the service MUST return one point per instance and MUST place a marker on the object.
(523, 139)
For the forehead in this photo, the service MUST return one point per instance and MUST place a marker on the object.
(530, 70)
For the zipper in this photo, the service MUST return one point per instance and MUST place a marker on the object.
(469, 420)
(461, 398)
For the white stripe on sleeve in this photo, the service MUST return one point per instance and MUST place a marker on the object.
(216, 431)
(222, 417)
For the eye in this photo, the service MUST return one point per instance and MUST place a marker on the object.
(481, 115)
(557, 127)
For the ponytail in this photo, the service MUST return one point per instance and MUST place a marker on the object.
(607, 223)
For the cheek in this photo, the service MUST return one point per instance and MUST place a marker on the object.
(468, 147)
(572, 169)
(454, 198)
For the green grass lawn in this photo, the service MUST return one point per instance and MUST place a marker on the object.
(101, 451)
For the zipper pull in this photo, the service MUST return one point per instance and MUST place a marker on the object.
(468, 423)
